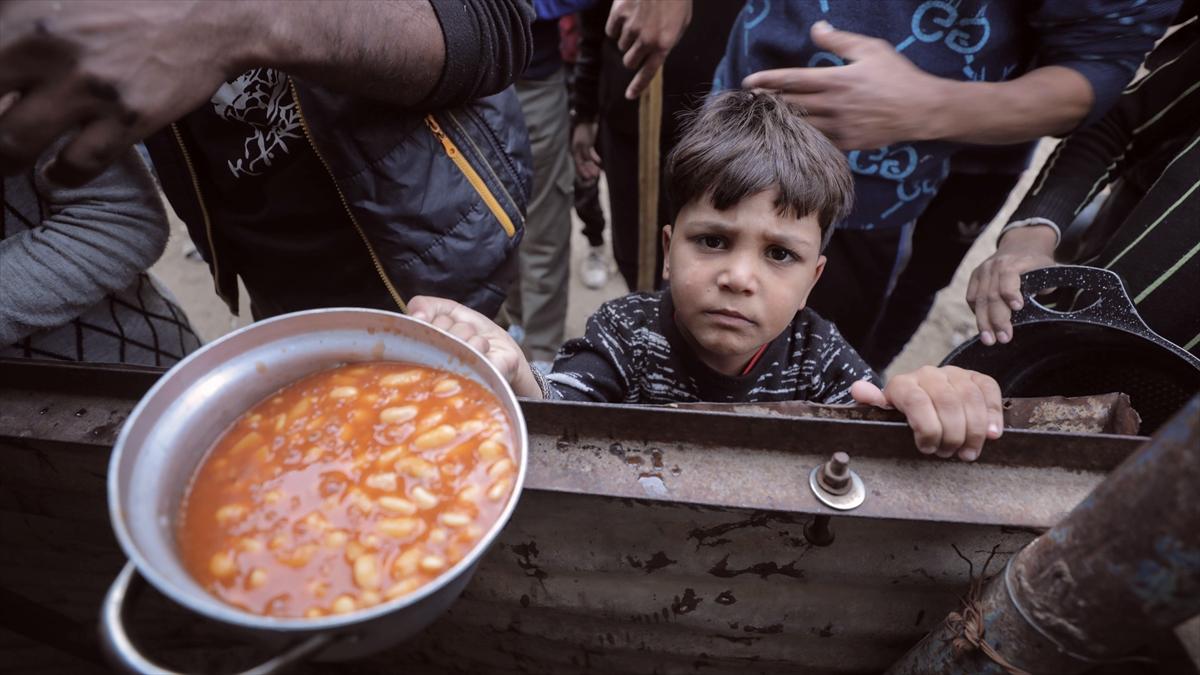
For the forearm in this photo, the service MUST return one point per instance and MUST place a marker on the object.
(95, 240)
(397, 51)
(392, 51)
(1048, 101)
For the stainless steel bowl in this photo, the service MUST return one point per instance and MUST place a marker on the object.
(182, 416)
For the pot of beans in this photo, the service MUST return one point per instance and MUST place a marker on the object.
(325, 480)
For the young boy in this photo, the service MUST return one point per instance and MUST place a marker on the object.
(758, 191)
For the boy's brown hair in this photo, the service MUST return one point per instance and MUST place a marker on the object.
(743, 142)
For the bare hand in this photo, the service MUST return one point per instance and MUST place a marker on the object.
(646, 31)
(109, 72)
(583, 150)
(880, 98)
(496, 345)
(994, 292)
(951, 410)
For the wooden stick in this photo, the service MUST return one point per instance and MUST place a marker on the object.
(649, 133)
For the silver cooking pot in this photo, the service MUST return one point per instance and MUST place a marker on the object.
(182, 416)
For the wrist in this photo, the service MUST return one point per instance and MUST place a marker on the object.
(939, 117)
(1041, 238)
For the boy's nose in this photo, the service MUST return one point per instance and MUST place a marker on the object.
(738, 276)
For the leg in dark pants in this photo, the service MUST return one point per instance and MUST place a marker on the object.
(965, 205)
(851, 290)
(587, 207)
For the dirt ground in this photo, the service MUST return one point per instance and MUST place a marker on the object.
(949, 323)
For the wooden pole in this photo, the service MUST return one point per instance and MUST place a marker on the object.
(649, 133)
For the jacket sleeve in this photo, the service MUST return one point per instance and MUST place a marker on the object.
(94, 241)
(595, 367)
(585, 98)
(488, 45)
(1103, 40)
(1150, 112)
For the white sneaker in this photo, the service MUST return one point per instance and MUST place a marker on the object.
(594, 271)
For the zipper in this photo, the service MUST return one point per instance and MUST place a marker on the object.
(208, 231)
(497, 147)
(346, 204)
(472, 176)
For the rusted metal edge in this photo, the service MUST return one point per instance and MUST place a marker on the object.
(1025, 479)
(1098, 414)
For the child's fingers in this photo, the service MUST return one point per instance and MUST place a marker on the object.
(975, 412)
(479, 344)
(922, 417)
(867, 393)
(949, 409)
(994, 400)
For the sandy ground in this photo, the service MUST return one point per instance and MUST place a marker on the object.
(948, 325)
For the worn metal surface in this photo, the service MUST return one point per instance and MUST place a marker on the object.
(1121, 568)
(648, 540)
(1099, 414)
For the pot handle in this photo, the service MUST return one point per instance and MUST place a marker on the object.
(125, 655)
(1112, 307)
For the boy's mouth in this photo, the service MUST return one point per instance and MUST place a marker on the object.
(730, 317)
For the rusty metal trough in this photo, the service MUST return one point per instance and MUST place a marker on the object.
(649, 540)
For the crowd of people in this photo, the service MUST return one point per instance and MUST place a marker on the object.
(425, 157)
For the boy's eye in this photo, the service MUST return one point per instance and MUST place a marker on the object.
(780, 254)
(711, 241)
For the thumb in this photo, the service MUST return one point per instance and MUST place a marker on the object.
(868, 394)
(849, 46)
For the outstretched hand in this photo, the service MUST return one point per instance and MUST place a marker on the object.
(877, 99)
(496, 345)
(110, 72)
(994, 291)
(951, 411)
(646, 31)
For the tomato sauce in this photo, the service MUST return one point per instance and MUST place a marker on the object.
(347, 488)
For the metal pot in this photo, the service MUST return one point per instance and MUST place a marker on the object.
(1100, 348)
(182, 416)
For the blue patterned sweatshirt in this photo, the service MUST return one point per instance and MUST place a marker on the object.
(969, 40)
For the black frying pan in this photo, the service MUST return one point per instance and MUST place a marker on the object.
(1100, 348)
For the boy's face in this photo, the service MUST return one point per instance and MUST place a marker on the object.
(739, 276)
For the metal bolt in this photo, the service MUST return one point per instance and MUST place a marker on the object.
(817, 531)
(835, 474)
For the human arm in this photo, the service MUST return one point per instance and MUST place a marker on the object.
(585, 96)
(1085, 52)
(1158, 107)
(646, 31)
(119, 70)
(951, 411)
(95, 241)
(496, 345)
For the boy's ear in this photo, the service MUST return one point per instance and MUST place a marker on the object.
(820, 267)
(666, 235)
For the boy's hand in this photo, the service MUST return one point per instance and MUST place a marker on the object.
(994, 292)
(646, 31)
(951, 410)
(481, 333)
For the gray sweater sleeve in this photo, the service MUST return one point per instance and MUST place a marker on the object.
(93, 241)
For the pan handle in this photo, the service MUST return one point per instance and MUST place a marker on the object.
(1111, 308)
(125, 655)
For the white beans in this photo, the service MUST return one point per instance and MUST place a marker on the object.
(398, 414)
(344, 392)
(398, 528)
(382, 481)
(454, 519)
(397, 505)
(366, 572)
(433, 563)
(424, 499)
(222, 566)
(344, 605)
(436, 438)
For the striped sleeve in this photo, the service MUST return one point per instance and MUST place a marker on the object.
(1149, 111)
